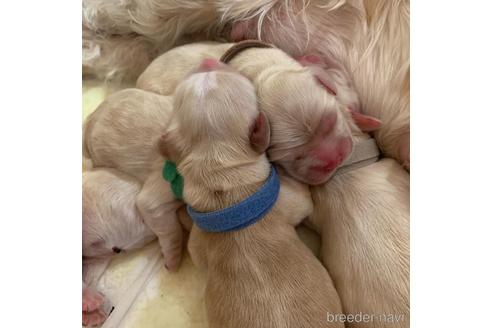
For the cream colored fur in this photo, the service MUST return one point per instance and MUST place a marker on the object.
(363, 218)
(106, 58)
(110, 223)
(122, 35)
(122, 134)
(110, 218)
(262, 275)
(370, 37)
(287, 92)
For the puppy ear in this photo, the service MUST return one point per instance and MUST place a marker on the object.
(365, 122)
(318, 66)
(310, 60)
(259, 134)
(325, 62)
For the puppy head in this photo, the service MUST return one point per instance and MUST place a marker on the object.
(110, 221)
(215, 121)
(311, 134)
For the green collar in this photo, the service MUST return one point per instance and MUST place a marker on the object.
(170, 174)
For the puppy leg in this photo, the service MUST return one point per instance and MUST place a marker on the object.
(197, 243)
(158, 207)
(91, 299)
(184, 218)
(197, 246)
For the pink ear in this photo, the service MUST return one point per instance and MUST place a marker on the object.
(325, 62)
(317, 67)
(310, 60)
(364, 122)
(259, 135)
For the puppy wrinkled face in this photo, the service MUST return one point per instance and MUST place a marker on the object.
(311, 135)
(214, 108)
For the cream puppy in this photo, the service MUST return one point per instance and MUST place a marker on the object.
(369, 37)
(363, 216)
(363, 219)
(110, 224)
(122, 134)
(261, 275)
(310, 130)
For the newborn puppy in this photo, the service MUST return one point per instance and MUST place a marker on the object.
(363, 217)
(261, 275)
(110, 224)
(310, 132)
(369, 37)
(122, 133)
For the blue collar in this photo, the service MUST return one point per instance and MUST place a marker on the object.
(242, 214)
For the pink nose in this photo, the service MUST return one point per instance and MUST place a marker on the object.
(208, 65)
(330, 158)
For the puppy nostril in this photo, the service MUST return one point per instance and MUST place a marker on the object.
(116, 250)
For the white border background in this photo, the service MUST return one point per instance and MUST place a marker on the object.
(451, 112)
(40, 166)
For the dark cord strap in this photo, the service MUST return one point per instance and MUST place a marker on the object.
(240, 46)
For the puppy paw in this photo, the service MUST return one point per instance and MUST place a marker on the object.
(172, 259)
(94, 318)
(91, 299)
(95, 307)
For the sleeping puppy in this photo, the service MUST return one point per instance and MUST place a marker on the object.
(110, 224)
(363, 217)
(369, 37)
(310, 128)
(122, 134)
(261, 275)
